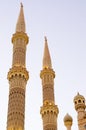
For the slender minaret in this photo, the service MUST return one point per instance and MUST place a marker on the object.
(79, 102)
(49, 110)
(18, 76)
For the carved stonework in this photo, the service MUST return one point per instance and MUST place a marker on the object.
(18, 76)
(49, 110)
(18, 71)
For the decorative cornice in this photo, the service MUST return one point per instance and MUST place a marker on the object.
(22, 35)
(78, 106)
(47, 70)
(49, 108)
(18, 71)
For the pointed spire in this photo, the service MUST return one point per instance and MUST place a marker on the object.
(20, 26)
(46, 58)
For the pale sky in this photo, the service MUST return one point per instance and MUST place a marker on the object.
(64, 24)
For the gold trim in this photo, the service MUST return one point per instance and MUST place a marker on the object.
(18, 70)
(68, 123)
(47, 71)
(22, 35)
(49, 108)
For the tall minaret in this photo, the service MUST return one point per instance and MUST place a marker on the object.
(18, 76)
(49, 110)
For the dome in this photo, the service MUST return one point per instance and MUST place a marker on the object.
(79, 102)
(68, 118)
(78, 96)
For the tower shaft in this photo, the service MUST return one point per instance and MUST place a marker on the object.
(49, 110)
(17, 76)
(47, 76)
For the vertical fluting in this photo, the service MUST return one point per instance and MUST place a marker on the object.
(48, 84)
(19, 52)
(18, 77)
(49, 110)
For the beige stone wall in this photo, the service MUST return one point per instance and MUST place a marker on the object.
(50, 121)
(19, 52)
(48, 85)
(48, 93)
(16, 109)
(80, 119)
(82, 123)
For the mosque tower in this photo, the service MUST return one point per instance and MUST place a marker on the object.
(18, 76)
(79, 102)
(49, 110)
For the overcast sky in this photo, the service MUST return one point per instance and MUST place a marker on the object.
(64, 24)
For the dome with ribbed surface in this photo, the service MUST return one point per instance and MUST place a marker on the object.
(68, 118)
(78, 96)
(79, 102)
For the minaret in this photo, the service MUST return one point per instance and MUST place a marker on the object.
(18, 76)
(49, 110)
(79, 102)
(68, 121)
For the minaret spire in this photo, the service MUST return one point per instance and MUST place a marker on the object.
(18, 77)
(46, 58)
(20, 26)
(49, 110)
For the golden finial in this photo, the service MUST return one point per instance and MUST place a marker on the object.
(21, 4)
(45, 39)
(78, 93)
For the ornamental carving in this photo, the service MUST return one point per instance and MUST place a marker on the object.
(20, 35)
(18, 71)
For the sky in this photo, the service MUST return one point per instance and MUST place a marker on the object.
(64, 24)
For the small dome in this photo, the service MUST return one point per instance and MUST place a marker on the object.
(79, 102)
(68, 118)
(78, 96)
